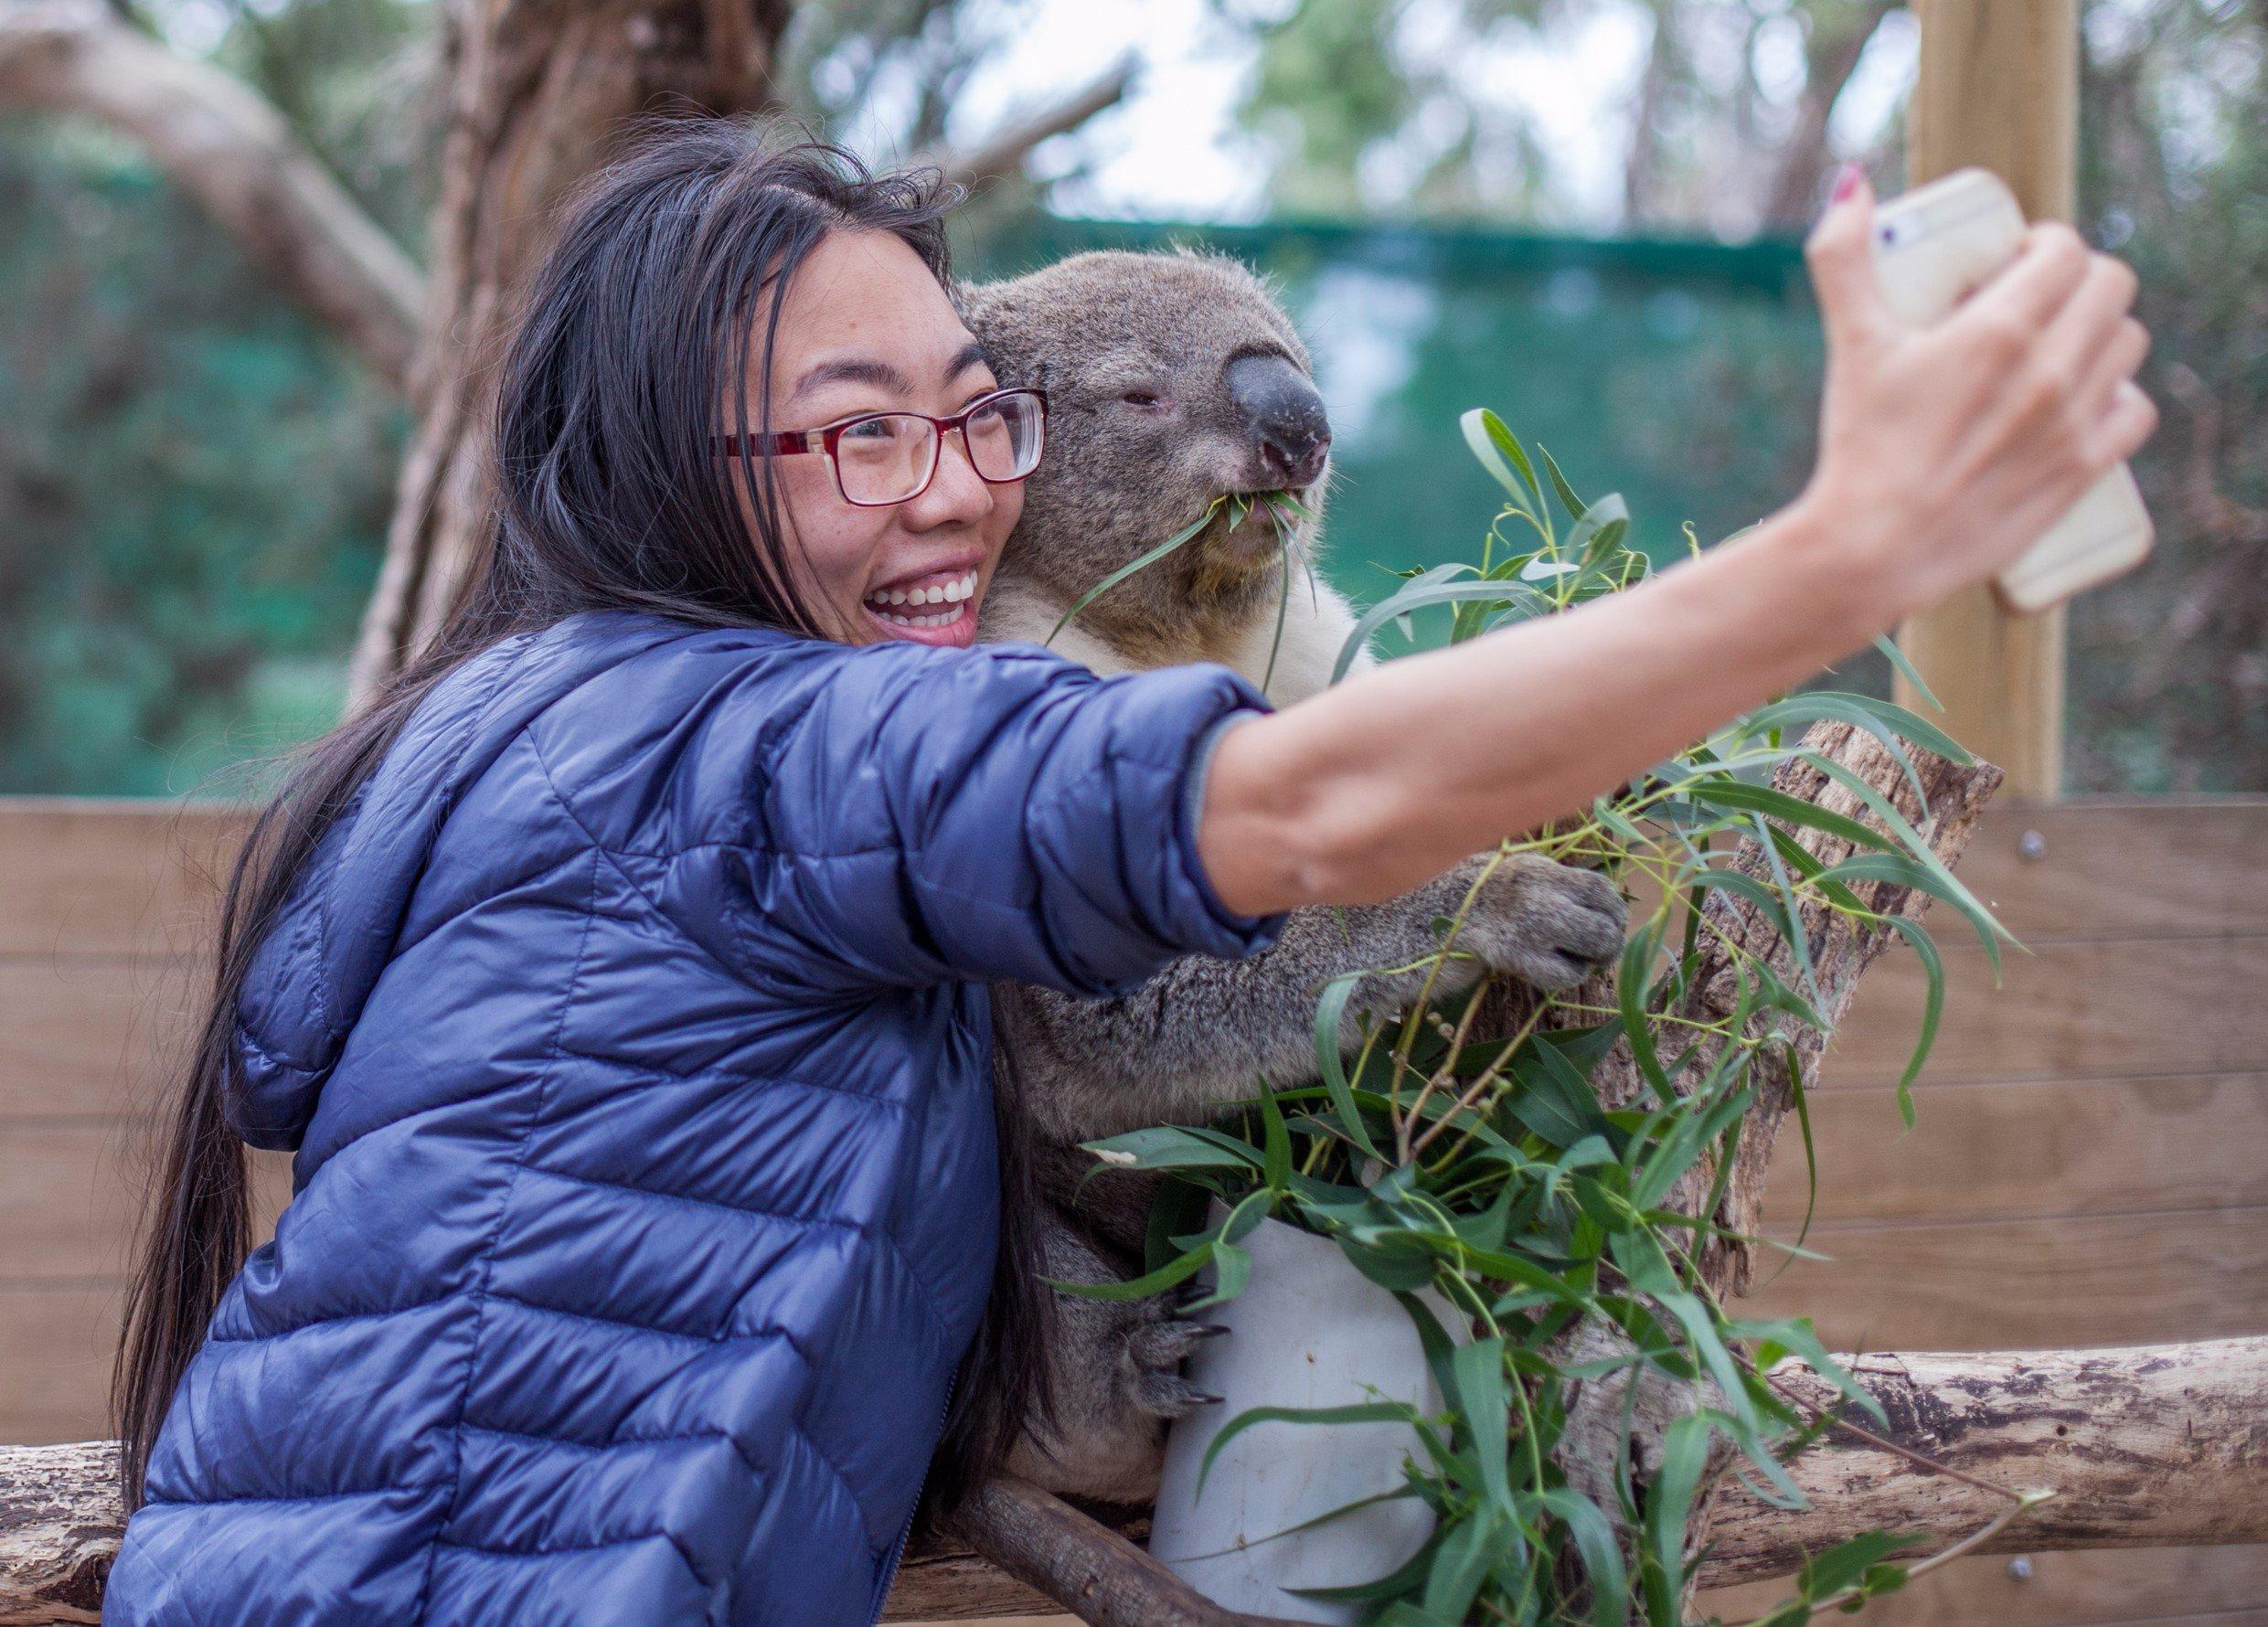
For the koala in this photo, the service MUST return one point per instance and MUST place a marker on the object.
(1172, 379)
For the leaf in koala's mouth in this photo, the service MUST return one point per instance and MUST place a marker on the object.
(1285, 511)
(1143, 563)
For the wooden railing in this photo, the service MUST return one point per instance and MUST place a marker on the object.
(2087, 1169)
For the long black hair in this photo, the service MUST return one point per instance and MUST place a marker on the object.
(605, 495)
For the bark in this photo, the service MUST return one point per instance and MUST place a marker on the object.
(232, 152)
(2162, 1446)
(540, 91)
(1082, 1565)
(60, 1517)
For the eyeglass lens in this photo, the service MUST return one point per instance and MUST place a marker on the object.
(889, 457)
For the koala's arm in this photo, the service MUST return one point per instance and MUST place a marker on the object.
(1202, 1030)
(1113, 1379)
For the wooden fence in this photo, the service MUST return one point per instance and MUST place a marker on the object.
(2088, 1167)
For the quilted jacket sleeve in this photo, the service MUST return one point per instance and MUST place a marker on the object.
(998, 814)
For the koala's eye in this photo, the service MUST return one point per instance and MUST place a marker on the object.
(1142, 398)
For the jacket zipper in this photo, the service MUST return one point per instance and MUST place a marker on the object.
(890, 1571)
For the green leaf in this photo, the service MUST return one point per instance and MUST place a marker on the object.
(1701, 1330)
(1953, 892)
(1901, 871)
(1330, 1016)
(1841, 1566)
(1143, 563)
(1172, 1275)
(1168, 1147)
(1277, 1168)
(1422, 595)
(1553, 1099)
(1478, 1372)
(1763, 799)
(1933, 1009)
(1601, 1553)
(1630, 993)
(1499, 453)
(1284, 598)
(1670, 1503)
(1176, 1207)
(1573, 504)
(1888, 646)
(1254, 1417)
(1799, 940)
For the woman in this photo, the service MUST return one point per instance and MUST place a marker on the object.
(618, 977)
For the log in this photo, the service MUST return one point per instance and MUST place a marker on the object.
(2154, 1446)
(60, 1519)
(2161, 1446)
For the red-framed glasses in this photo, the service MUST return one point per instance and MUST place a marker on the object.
(882, 458)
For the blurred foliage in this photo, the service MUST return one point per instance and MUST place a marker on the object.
(2170, 670)
(1418, 105)
(194, 483)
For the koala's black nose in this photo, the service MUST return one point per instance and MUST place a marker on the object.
(1290, 428)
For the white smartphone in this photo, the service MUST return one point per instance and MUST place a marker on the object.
(1931, 249)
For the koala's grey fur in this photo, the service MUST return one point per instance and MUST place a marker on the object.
(1119, 478)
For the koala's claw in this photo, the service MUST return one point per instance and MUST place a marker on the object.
(1154, 1352)
(1549, 924)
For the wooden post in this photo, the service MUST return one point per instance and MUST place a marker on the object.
(1997, 86)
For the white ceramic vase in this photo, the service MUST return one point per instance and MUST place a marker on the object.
(1308, 1331)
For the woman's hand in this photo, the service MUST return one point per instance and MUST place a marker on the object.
(1945, 452)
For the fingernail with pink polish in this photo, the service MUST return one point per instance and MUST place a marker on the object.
(1846, 181)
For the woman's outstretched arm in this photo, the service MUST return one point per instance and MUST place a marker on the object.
(1945, 452)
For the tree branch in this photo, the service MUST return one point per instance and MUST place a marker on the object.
(1005, 150)
(2160, 1446)
(234, 154)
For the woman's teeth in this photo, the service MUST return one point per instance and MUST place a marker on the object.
(956, 593)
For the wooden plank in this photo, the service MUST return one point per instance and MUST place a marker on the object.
(56, 1341)
(2069, 1590)
(1997, 84)
(92, 1037)
(2068, 1010)
(2014, 1149)
(2028, 1284)
(2121, 868)
(103, 877)
(136, 877)
(71, 1190)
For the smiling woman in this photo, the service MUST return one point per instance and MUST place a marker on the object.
(620, 976)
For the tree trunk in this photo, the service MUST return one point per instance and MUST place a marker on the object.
(540, 91)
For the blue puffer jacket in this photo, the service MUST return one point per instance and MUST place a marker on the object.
(632, 1034)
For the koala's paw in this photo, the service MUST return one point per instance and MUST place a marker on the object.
(1114, 1369)
(1549, 924)
(1153, 1352)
